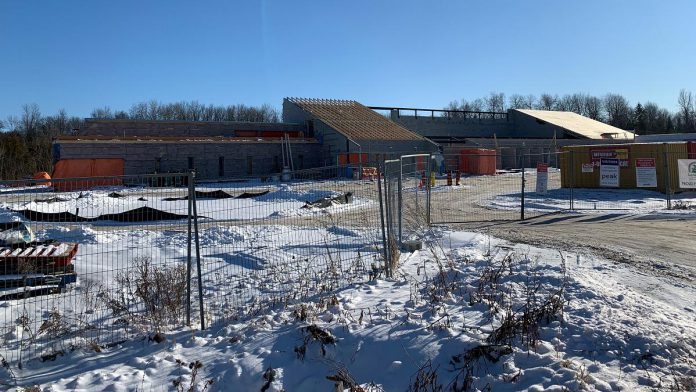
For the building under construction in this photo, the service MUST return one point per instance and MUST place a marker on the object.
(315, 133)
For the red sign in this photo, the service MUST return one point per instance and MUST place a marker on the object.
(645, 162)
(542, 167)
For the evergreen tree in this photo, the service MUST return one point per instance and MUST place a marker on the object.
(639, 119)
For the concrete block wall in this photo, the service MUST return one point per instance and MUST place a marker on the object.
(125, 128)
(142, 157)
(454, 127)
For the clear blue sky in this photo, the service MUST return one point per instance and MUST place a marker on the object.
(79, 55)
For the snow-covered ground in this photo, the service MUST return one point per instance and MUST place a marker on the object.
(588, 200)
(292, 302)
(281, 201)
(439, 320)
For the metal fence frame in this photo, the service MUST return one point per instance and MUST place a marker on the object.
(190, 228)
(381, 238)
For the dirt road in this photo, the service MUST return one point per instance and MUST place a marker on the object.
(661, 243)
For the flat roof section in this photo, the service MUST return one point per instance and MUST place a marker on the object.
(580, 125)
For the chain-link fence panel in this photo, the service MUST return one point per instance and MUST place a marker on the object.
(469, 188)
(415, 179)
(542, 193)
(91, 261)
(279, 243)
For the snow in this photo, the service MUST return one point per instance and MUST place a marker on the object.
(281, 201)
(270, 288)
(587, 200)
(612, 334)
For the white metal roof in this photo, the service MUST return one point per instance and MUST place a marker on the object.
(580, 125)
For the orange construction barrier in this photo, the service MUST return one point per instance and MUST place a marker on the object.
(352, 158)
(477, 161)
(44, 177)
(85, 168)
(369, 173)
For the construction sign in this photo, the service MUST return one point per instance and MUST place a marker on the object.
(599, 153)
(646, 174)
(542, 178)
(687, 173)
(609, 173)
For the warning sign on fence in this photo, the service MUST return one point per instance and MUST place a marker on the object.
(588, 168)
(646, 175)
(687, 173)
(609, 173)
(542, 179)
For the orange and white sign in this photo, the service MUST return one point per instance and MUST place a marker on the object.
(542, 178)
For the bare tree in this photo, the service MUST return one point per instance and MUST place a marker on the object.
(563, 104)
(31, 115)
(495, 102)
(518, 101)
(593, 107)
(686, 110)
(138, 111)
(547, 102)
(530, 101)
(104, 112)
(618, 111)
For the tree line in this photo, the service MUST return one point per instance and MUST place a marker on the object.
(191, 111)
(26, 139)
(614, 109)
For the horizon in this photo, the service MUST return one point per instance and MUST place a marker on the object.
(414, 56)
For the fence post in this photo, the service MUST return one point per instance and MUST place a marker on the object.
(668, 185)
(198, 252)
(522, 199)
(400, 199)
(188, 247)
(571, 177)
(381, 214)
(390, 216)
(428, 190)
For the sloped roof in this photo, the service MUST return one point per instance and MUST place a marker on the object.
(355, 121)
(580, 125)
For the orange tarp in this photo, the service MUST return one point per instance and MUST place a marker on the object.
(84, 168)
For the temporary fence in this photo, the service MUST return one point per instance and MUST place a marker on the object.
(277, 244)
(96, 261)
(643, 180)
(469, 189)
(407, 184)
(87, 265)
(96, 265)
